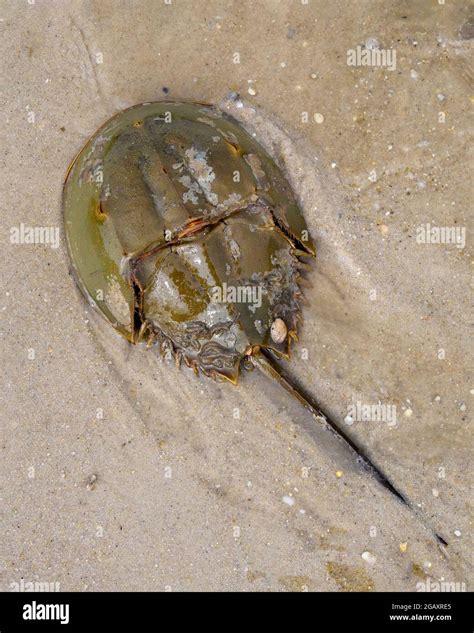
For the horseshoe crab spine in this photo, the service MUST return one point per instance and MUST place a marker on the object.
(264, 361)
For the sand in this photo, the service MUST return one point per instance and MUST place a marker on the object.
(121, 472)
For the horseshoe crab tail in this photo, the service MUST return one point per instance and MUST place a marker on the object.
(267, 364)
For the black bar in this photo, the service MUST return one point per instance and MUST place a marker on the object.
(238, 612)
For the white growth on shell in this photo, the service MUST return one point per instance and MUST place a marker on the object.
(202, 172)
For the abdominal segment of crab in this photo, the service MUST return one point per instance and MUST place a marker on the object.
(210, 298)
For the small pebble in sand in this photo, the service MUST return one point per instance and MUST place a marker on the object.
(283, 64)
(462, 406)
(471, 392)
(91, 482)
(349, 420)
(435, 492)
(408, 413)
(313, 76)
(369, 558)
(278, 331)
(339, 473)
(441, 96)
(318, 117)
(457, 532)
(437, 398)
(403, 547)
(252, 91)
(371, 43)
(234, 96)
(413, 74)
(288, 500)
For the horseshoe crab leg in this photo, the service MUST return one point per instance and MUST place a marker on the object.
(266, 363)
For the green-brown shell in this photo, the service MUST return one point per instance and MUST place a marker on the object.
(183, 232)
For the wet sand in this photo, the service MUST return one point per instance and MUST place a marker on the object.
(120, 471)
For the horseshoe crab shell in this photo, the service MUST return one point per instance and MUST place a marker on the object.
(184, 233)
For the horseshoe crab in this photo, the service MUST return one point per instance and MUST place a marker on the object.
(185, 234)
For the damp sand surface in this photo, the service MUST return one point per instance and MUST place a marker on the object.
(122, 472)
